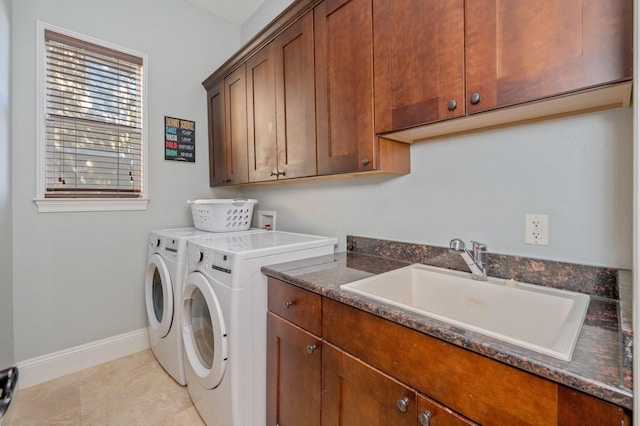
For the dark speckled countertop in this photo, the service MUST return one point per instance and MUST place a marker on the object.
(598, 366)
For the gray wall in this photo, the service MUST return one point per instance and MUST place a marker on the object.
(265, 13)
(6, 256)
(79, 276)
(577, 170)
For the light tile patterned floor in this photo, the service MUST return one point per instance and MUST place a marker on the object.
(134, 390)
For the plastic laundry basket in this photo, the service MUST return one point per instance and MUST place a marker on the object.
(222, 215)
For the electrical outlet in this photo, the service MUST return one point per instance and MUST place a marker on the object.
(536, 229)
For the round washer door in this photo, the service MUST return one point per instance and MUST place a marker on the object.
(204, 331)
(158, 290)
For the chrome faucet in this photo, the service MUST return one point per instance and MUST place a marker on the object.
(476, 260)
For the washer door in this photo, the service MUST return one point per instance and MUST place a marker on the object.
(159, 296)
(204, 331)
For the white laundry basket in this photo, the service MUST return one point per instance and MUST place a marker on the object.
(222, 215)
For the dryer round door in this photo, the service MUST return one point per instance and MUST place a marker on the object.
(204, 331)
(159, 296)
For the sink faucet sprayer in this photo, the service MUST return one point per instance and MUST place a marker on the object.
(476, 260)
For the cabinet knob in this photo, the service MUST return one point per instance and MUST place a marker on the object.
(403, 404)
(278, 173)
(273, 174)
(365, 161)
(287, 304)
(425, 418)
(452, 104)
(311, 348)
(475, 98)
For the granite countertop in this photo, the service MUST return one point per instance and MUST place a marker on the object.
(598, 367)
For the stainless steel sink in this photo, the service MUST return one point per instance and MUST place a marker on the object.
(543, 319)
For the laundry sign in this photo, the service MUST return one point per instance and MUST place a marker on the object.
(179, 139)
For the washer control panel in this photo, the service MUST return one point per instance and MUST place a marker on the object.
(221, 261)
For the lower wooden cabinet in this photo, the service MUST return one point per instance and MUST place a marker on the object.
(354, 368)
(354, 393)
(293, 374)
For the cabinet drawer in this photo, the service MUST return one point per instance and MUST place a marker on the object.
(297, 305)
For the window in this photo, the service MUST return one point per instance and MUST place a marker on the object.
(92, 140)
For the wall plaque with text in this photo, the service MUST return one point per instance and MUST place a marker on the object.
(179, 139)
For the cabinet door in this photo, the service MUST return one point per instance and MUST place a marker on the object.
(419, 62)
(344, 86)
(261, 116)
(353, 393)
(295, 99)
(235, 131)
(217, 163)
(517, 51)
(293, 374)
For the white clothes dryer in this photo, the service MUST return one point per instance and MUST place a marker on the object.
(224, 320)
(164, 281)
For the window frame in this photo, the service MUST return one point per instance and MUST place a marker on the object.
(48, 205)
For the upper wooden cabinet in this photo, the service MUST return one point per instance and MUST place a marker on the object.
(330, 87)
(504, 53)
(281, 106)
(227, 106)
(217, 143)
(522, 51)
(344, 92)
(419, 62)
(344, 89)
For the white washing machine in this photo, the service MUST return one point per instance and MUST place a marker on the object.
(164, 281)
(224, 320)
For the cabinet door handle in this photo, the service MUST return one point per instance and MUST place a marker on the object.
(365, 161)
(311, 348)
(403, 404)
(287, 304)
(452, 104)
(425, 418)
(475, 98)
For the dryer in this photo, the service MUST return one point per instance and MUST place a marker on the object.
(164, 280)
(224, 320)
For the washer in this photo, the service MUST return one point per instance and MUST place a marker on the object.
(224, 320)
(164, 281)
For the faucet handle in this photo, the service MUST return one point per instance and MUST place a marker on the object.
(480, 254)
(478, 247)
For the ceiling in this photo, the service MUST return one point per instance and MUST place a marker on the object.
(236, 11)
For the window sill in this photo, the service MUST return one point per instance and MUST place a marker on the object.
(59, 205)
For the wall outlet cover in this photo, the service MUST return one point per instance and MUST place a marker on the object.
(536, 229)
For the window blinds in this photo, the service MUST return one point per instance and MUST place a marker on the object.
(93, 120)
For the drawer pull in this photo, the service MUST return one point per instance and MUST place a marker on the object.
(287, 304)
(425, 418)
(311, 348)
(403, 404)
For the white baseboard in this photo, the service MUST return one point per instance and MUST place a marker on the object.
(51, 366)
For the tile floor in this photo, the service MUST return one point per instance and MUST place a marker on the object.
(133, 390)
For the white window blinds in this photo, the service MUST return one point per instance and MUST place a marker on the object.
(93, 120)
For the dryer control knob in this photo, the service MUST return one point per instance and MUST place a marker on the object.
(197, 256)
(155, 242)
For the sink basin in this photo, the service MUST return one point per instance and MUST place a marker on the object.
(543, 319)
